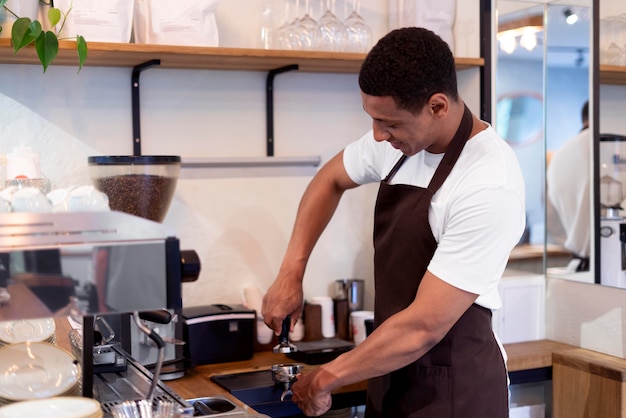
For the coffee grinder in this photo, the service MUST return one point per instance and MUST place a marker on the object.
(612, 222)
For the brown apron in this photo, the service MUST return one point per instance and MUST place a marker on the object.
(464, 375)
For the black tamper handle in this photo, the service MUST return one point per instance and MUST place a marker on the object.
(284, 331)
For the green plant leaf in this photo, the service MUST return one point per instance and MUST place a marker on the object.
(3, 2)
(47, 46)
(81, 47)
(54, 16)
(24, 32)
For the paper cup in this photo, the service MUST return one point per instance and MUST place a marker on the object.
(358, 325)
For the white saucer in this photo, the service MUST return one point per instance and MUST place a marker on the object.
(58, 407)
(34, 370)
(27, 330)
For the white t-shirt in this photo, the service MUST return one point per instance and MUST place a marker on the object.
(477, 216)
(568, 191)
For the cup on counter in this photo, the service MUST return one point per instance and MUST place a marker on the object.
(30, 199)
(357, 318)
(328, 315)
(264, 334)
(298, 331)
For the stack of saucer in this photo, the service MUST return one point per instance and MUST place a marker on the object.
(38, 330)
(36, 370)
(55, 407)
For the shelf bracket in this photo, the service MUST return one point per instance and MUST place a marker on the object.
(269, 100)
(134, 85)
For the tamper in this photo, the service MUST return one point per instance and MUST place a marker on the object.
(284, 346)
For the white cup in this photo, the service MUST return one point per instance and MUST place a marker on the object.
(87, 199)
(298, 332)
(30, 199)
(357, 318)
(264, 334)
(328, 314)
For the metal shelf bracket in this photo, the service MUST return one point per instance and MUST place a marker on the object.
(269, 100)
(134, 85)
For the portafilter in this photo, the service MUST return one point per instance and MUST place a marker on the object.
(286, 375)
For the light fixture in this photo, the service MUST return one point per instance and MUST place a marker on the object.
(528, 40)
(525, 28)
(570, 17)
(507, 42)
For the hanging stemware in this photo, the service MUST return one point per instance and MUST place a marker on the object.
(307, 29)
(358, 34)
(330, 30)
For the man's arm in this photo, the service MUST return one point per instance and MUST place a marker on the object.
(400, 340)
(316, 208)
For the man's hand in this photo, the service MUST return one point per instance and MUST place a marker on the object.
(312, 400)
(284, 297)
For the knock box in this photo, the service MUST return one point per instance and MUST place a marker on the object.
(218, 333)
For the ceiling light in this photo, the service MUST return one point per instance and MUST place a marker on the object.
(570, 17)
(526, 28)
(507, 43)
(528, 40)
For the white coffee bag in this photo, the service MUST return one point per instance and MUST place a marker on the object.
(97, 20)
(189, 22)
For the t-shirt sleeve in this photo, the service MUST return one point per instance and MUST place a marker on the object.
(365, 159)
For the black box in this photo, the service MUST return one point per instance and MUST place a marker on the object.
(218, 333)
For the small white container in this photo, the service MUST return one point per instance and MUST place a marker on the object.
(328, 316)
(22, 163)
(358, 325)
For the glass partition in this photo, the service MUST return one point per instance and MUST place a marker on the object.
(542, 82)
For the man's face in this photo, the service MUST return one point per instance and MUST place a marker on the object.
(406, 131)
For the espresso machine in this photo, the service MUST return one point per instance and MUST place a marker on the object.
(612, 222)
(117, 278)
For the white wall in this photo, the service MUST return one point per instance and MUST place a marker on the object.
(238, 226)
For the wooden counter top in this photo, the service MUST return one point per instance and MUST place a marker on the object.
(23, 304)
(529, 252)
(197, 382)
(521, 356)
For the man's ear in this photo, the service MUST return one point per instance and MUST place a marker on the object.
(439, 104)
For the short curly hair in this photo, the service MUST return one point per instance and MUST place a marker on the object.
(410, 65)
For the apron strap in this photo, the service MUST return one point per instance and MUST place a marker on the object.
(452, 153)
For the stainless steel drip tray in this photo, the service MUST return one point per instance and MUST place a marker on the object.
(132, 384)
(219, 406)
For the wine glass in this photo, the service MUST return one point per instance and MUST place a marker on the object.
(287, 35)
(357, 33)
(330, 30)
(307, 29)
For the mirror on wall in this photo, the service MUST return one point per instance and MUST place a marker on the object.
(611, 143)
(542, 82)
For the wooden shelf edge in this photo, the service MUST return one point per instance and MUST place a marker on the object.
(103, 54)
(613, 74)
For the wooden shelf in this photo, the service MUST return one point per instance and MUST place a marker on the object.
(613, 74)
(102, 54)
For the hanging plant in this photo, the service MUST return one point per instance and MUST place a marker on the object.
(27, 32)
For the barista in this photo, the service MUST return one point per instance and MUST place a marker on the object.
(450, 209)
(568, 182)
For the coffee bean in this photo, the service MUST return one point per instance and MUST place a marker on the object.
(144, 195)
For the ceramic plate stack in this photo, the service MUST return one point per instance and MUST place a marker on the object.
(35, 370)
(55, 407)
(36, 330)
